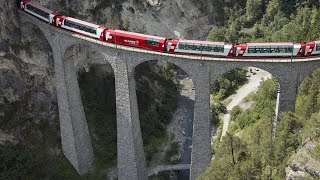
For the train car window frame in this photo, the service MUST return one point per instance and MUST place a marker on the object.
(182, 46)
(204, 47)
(80, 27)
(37, 11)
(190, 46)
(220, 48)
(317, 47)
(251, 50)
(197, 47)
(270, 49)
(152, 42)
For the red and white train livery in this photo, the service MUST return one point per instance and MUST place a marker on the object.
(162, 44)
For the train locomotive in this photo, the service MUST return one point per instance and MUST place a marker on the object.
(162, 44)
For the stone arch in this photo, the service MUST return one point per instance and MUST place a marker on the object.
(45, 29)
(217, 71)
(83, 58)
(185, 65)
(253, 72)
(304, 90)
(270, 110)
(30, 31)
(185, 103)
(305, 69)
(105, 57)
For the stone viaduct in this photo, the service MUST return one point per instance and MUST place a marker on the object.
(76, 142)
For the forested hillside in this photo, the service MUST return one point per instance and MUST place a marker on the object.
(244, 21)
(250, 151)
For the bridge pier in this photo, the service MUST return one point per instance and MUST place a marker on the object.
(75, 138)
(131, 159)
(201, 140)
(288, 91)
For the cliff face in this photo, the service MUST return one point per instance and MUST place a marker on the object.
(28, 103)
(185, 18)
(305, 164)
(26, 73)
(26, 63)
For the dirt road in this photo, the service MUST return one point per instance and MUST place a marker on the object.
(254, 80)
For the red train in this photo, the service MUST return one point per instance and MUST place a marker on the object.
(162, 44)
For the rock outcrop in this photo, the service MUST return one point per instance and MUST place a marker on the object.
(187, 19)
(304, 164)
(27, 87)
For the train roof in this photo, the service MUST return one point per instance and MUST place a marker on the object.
(272, 44)
(202, 42)
(42, 8)
(139, 34)
(83, 22)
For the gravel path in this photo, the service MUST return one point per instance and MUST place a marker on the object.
(254, 80)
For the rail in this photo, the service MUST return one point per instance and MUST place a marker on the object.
(193, 57)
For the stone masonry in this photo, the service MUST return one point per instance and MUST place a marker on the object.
(75, 136)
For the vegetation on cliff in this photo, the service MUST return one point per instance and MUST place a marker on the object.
(249, 151)
(157, 100)
(267, 21)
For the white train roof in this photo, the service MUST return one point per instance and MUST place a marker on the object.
(201, 42)
(83, 22)
(41, 8)
(272, 44)
(139, 34)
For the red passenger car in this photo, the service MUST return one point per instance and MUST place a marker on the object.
(136, 40)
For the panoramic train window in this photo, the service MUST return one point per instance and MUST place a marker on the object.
(270, 49)
(215, 48)
(182, 46)
(38, 11)
(317, 47)
(201, 47)
(204, 47)
(197, 47)
(80, 26)
(152, 42)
